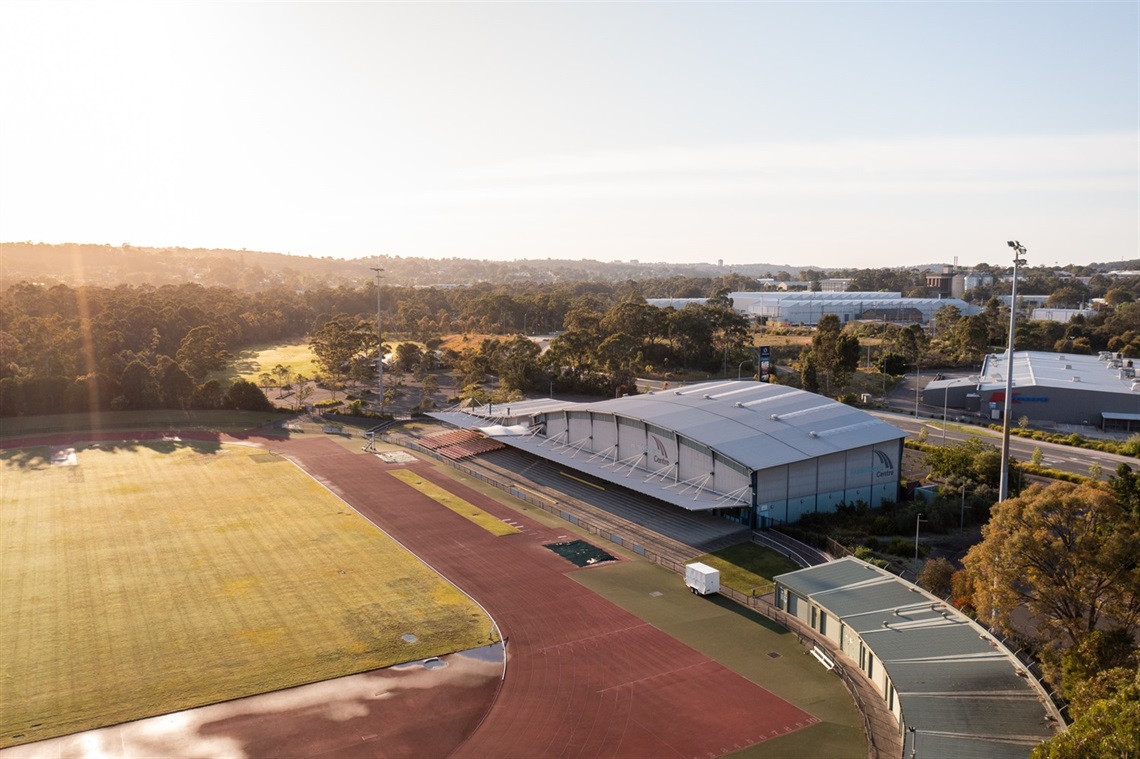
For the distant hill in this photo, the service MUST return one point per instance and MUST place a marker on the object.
(109, 265)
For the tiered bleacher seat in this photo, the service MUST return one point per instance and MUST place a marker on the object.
(470, 448)
(451, 437)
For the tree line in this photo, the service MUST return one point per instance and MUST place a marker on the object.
(131, 347)
(65, 349)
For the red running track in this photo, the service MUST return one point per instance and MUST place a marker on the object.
(584, 677)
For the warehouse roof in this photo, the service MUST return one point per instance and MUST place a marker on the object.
(754, 423)
(1104, 373)
(750, 301)
(962, 691)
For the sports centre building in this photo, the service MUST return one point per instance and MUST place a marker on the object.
(1058, 388)
(755, 453)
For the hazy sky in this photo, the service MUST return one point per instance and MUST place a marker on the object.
(846, 134)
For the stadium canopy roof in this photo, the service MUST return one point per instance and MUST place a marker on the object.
(756, 424)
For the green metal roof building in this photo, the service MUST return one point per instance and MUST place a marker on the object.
(955, 690)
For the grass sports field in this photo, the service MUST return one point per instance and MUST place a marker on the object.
(150, 578)
(249, 364)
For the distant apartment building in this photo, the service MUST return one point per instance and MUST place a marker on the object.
(940, 284)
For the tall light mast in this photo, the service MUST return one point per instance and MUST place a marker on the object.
(1003, 487)
(379, 341)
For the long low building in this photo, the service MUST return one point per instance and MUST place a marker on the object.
(806, 308)
(1060, 388)
(751, 452)
(955, 690)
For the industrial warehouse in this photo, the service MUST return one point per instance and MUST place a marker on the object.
(754, 453)
(1049, 388)
(807, 308)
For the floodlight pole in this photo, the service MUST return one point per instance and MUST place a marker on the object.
(1003, 486)
(379, 342)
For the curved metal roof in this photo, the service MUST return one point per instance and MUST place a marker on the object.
(963, 691)
(753, 423)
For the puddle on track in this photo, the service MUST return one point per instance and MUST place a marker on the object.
(491, 653)
(380, 707)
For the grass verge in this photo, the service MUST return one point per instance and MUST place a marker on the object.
(748, 568)
(149, 579)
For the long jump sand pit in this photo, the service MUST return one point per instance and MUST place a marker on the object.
(149, 578)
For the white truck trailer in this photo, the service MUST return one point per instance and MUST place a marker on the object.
(701, 578)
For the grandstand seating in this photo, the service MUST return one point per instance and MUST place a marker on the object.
(459, 444)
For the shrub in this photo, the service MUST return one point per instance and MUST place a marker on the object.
(1130, 447)
(900, 547)
(936, 576)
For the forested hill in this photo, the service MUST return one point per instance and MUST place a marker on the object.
(109, 265)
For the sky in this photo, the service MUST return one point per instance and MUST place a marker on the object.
(834, 134)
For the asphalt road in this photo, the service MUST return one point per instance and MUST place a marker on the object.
(900, 412)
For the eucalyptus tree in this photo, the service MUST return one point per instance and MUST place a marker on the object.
(341, 340)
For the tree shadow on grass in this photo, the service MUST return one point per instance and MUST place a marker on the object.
(41, 456)
(36, 457)
(160, 445)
